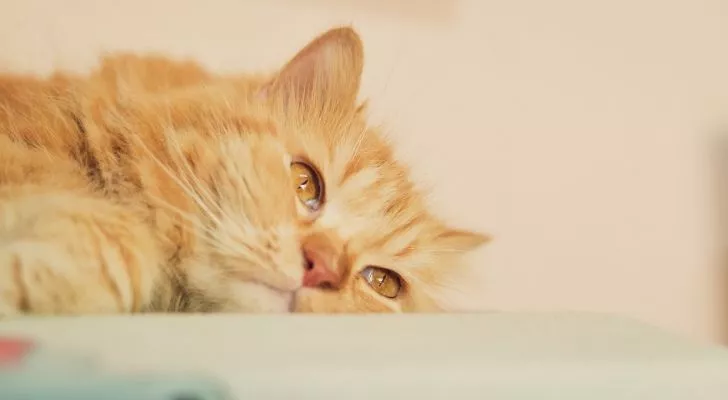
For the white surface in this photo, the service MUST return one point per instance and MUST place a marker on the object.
(489, 356)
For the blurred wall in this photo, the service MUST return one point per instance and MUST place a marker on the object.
(577, 133)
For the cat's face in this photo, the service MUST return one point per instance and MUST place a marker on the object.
(302, 207)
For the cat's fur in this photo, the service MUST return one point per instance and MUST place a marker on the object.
(154, 185)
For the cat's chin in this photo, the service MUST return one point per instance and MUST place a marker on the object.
(302, 301)
(294, 305)
(254, 298)
(294, 300)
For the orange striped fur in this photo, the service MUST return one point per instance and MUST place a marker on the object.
(153, 185)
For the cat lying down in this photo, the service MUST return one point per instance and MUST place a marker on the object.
(153, 185)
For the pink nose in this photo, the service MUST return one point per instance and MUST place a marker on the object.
(320, 266)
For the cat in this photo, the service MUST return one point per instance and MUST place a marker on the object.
(154, 185)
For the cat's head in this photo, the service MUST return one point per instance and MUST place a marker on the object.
(300, 205)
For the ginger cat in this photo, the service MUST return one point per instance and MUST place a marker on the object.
(153, 185)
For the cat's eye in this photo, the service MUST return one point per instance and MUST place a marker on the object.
(308, 185)
(383, 281)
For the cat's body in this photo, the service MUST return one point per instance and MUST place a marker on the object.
(155, 185)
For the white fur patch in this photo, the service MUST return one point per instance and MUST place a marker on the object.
(287, 160)
(360, 180)
(335, 217)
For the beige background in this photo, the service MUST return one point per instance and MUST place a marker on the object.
(578, 133)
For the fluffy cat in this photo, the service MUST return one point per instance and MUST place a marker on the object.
(154, 185)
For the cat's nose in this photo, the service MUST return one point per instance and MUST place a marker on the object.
(320, 264)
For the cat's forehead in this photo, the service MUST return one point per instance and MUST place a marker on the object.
(367, 189)
(339, 146)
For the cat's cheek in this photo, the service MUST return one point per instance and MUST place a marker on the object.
(350, 299)
(369, 302)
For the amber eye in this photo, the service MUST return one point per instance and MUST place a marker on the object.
(307, 184)
(383, 281)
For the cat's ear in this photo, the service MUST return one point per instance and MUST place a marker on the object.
(458, 240)
(325, 74)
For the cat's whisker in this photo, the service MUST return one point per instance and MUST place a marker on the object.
(189, 217)
(207, 234)
(184, 184)
(358, 143)
(252, 253)
(188, 191)
(194, 181)
(191, 179)
(238, 249)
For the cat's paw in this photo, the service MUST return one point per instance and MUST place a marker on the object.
(52, 278)
(70, 254)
